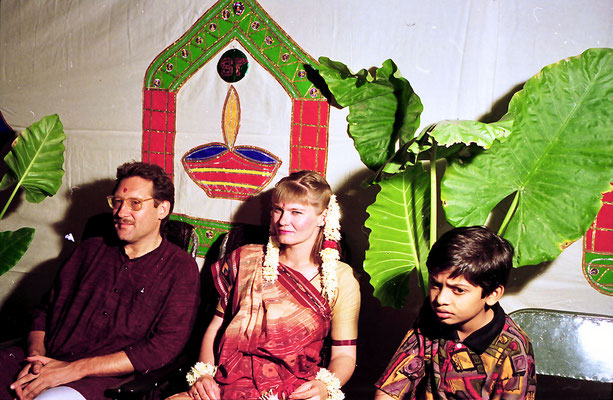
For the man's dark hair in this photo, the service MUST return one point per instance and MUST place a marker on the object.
(476, 253)
(163, 188)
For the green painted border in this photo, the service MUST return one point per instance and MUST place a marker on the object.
(295, 86)
(208, 231)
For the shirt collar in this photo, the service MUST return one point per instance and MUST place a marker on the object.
(482, 338)
(161, 247)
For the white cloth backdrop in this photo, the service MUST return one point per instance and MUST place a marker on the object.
(85, 60)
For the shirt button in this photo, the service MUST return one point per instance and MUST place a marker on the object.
(105, 313)
(125, 267)
(116, 290)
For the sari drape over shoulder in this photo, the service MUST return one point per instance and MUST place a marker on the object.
(275, 331)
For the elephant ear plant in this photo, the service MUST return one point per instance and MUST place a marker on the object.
(35, 164)
(550, 157)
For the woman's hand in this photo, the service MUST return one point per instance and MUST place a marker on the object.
(205, 388)
(313, 390)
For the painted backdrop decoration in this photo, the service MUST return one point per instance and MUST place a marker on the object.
(598, 248)
(265, 41)
(226, 171)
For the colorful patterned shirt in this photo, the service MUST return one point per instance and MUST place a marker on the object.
(495, 362)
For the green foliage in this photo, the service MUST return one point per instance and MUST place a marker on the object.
(35, 164)
(557, 161)
(383, 108)
(551, 151)
(13, 246)
(36, 160)
(397, 235)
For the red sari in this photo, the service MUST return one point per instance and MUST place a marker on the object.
(273, 333)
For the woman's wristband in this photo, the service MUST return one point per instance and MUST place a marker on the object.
(198, 370)
(333, 384)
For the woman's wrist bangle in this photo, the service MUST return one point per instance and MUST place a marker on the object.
(198, 370)
(333, 384)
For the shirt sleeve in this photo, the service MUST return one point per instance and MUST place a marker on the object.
(63, 284)
(346, 308)
(175, 320)
(405, 370)
(517, 380)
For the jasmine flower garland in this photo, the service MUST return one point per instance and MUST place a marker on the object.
(198, 370)
(329, 253)
(332, 383)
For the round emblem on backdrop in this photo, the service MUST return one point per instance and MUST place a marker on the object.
(225, 14)
(232, 66)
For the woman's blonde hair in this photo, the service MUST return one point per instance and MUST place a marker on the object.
(305, 187)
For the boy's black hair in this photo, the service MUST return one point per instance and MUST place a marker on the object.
(476, 253)
(163, 188)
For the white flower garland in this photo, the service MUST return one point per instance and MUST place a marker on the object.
(332, 383)
(271, 261)
(198, 370)
(329, 253)
(270, 395)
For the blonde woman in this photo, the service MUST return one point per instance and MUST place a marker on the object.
(278, 303)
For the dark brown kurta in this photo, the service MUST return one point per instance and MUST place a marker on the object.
(102, 302)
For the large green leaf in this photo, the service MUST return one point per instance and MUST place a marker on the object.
(397, 224)
(558, 160)
(36, 159)
(13, 246)
(383, 108)
(450, 132)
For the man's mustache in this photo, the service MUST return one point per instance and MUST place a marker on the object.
(123, 221)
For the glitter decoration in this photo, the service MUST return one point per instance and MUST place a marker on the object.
(212, 27)
(184, 53)
(157, 82)
(302, 73)
(225, 14)
(199, 40)
(269, 40)
(313, 92)
(209, 234)
(239, 8)
(169, 67)
(284, 57)
(255, 25)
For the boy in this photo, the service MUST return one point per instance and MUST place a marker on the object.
(463, 345)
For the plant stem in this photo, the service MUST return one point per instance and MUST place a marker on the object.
(433, 195)
(510, 212)
(6, 206)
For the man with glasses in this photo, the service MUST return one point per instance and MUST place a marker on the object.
(116, 307)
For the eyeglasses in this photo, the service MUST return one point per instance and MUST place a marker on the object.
(134, 203)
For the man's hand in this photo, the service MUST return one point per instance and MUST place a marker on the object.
(28, 373)
(205, 388)
(51, 373)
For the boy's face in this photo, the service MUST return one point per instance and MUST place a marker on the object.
(458, 302)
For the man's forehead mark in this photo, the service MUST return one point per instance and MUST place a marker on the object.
(125, 190)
